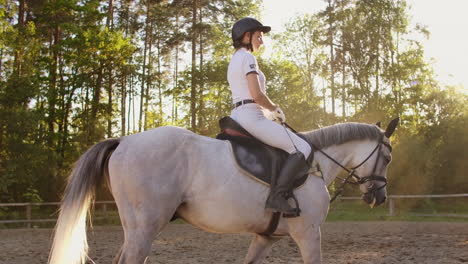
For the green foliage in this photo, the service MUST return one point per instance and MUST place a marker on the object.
(32, 195)
(431, 152)
(73, 73)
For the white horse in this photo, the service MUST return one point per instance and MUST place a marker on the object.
(169, 170)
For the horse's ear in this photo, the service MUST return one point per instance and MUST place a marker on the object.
(379, 124)
(391, 127)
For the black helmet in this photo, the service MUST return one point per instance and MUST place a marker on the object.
(247, 24)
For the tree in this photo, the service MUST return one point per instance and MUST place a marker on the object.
(302, 44)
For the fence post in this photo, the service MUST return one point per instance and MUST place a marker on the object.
(104, 210)
(28, 215)
(391, 207)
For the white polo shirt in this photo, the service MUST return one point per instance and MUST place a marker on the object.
(243, 63)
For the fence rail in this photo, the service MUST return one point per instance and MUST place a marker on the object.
(391, 204)
(28, 221)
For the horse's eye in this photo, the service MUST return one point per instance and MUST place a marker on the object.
(387, 160)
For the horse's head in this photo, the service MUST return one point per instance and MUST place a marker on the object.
(370, 165)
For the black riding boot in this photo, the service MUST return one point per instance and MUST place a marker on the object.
(281, 186)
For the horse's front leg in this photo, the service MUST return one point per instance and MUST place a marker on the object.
(305, 230)
(259, 249)
(308, 241)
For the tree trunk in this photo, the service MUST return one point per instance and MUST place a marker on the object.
(176, 76)
(332, 57)
(160, 99)
(344, 51)
(148, 74)
(377, 70)
(124, 80)
(123, 101)
(131, 108)
(324, 92)
(397, 85)
(18, 50)
(143, 77)
(110, 15)
(95, 105)
(200, 94)
(109, 25)
(21, 12)
(62, 116)
(176, 84)
(109, 102)
(343, 86)
(52, 92)
(66, 113)
(193, 91)
(398, 91)
(87, 122)
(1, 62)
(355, 98)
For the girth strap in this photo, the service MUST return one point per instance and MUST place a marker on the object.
(274, 221)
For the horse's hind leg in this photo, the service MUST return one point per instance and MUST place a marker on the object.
(140, 229)
(259, 248)
(137, 246)
(141, 223)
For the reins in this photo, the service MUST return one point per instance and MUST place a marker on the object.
(352, 171)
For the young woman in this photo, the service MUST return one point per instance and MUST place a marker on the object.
(257, 114)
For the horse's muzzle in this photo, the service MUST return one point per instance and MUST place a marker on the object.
(375, 198)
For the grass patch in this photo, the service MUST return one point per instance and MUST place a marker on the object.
(356, 210)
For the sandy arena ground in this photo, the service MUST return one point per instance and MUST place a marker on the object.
(343, 242)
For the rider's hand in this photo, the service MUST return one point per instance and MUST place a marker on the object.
(278, 115)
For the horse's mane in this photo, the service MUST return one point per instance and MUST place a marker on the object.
(342, 133)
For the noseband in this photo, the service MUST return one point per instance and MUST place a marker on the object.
(352, 172)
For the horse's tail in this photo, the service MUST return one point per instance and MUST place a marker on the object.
(70, 245)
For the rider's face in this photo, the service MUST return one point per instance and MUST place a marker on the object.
(257, 39)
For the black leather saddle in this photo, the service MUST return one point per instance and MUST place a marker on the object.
(256, 159)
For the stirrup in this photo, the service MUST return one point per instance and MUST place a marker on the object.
(297, 209)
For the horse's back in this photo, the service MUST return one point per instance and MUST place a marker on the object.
(157, 137)
(161, 153)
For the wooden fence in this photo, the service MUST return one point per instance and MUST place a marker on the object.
(392, 198)
(391, 205)
(28, 208)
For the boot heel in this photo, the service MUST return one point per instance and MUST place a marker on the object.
(297, 209)
(295, 214)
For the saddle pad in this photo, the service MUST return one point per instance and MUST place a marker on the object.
(258, 160)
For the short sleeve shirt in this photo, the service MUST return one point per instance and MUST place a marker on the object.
(242, 64)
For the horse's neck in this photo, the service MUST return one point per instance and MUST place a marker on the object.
(330, 170)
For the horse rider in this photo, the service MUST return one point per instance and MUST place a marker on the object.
(257, 113)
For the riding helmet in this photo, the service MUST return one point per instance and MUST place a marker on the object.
(247, 24)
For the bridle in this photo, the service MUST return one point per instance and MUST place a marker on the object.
(352, 172)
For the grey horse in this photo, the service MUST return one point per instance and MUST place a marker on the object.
(169, 170)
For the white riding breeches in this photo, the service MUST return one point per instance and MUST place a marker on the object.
(252, 119)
